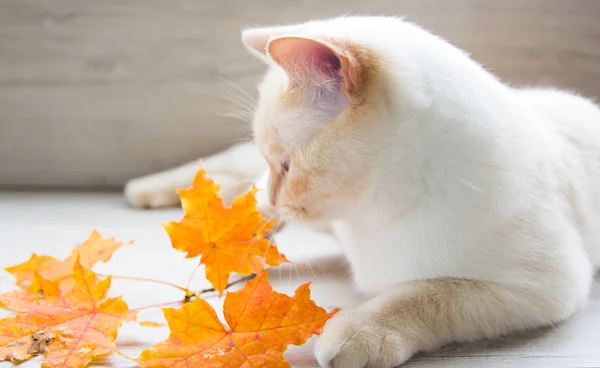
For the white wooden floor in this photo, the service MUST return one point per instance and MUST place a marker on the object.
(54, 223)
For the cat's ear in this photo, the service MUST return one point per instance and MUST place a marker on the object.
(307, 58)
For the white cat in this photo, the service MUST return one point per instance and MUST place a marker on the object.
(468, 208)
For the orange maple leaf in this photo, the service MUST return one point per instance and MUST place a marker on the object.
(94, 249)
(229, 239)
(69, 328)
(262, 323)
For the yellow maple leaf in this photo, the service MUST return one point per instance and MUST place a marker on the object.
(93, 250)
(230, 239)
(39, 290)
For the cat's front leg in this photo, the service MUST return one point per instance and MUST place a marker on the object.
(424, 315)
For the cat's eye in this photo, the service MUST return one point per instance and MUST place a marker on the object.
(285, 166)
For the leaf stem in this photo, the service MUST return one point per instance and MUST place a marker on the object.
(142, 279)
(181, 301)
(189, 295)
(240, 280)
(192, 276)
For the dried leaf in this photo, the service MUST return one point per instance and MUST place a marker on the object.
(94, 249)
(229, 239)
(151, 324)
(70, 328)
(261, 323)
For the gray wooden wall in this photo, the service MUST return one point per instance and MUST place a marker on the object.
(93, 92)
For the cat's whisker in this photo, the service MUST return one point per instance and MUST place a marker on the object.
(251, 100)
(239, 140)
(246, 113)
(297, 273)
(247, 126)
(254, 240)
(237, 115)
(311, 270)
(271, 218)
(279, 223)
(322, 269)
(238, 102)
(242, 112)
(272, 232)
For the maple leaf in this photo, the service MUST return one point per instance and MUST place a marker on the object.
(39, 290)
(261, 324)
(94, 249)
(229, 239)
(70, 328)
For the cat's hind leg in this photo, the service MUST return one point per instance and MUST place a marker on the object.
(235, 169)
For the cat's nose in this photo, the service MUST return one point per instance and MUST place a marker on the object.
(273, 201)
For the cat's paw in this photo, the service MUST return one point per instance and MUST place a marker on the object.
(356, 339)
(151, 192)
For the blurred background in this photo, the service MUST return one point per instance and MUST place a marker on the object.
(96, 92)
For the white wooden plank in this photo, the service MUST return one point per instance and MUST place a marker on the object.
(54, 223)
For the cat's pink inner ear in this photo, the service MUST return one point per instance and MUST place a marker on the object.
(307, 56)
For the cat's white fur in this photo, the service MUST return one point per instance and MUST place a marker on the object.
(482, 216)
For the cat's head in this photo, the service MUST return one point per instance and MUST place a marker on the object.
(319, 104)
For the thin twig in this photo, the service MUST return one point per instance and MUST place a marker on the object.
(210, 290)
(181, 301)
(131, 278)
(191, 279)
